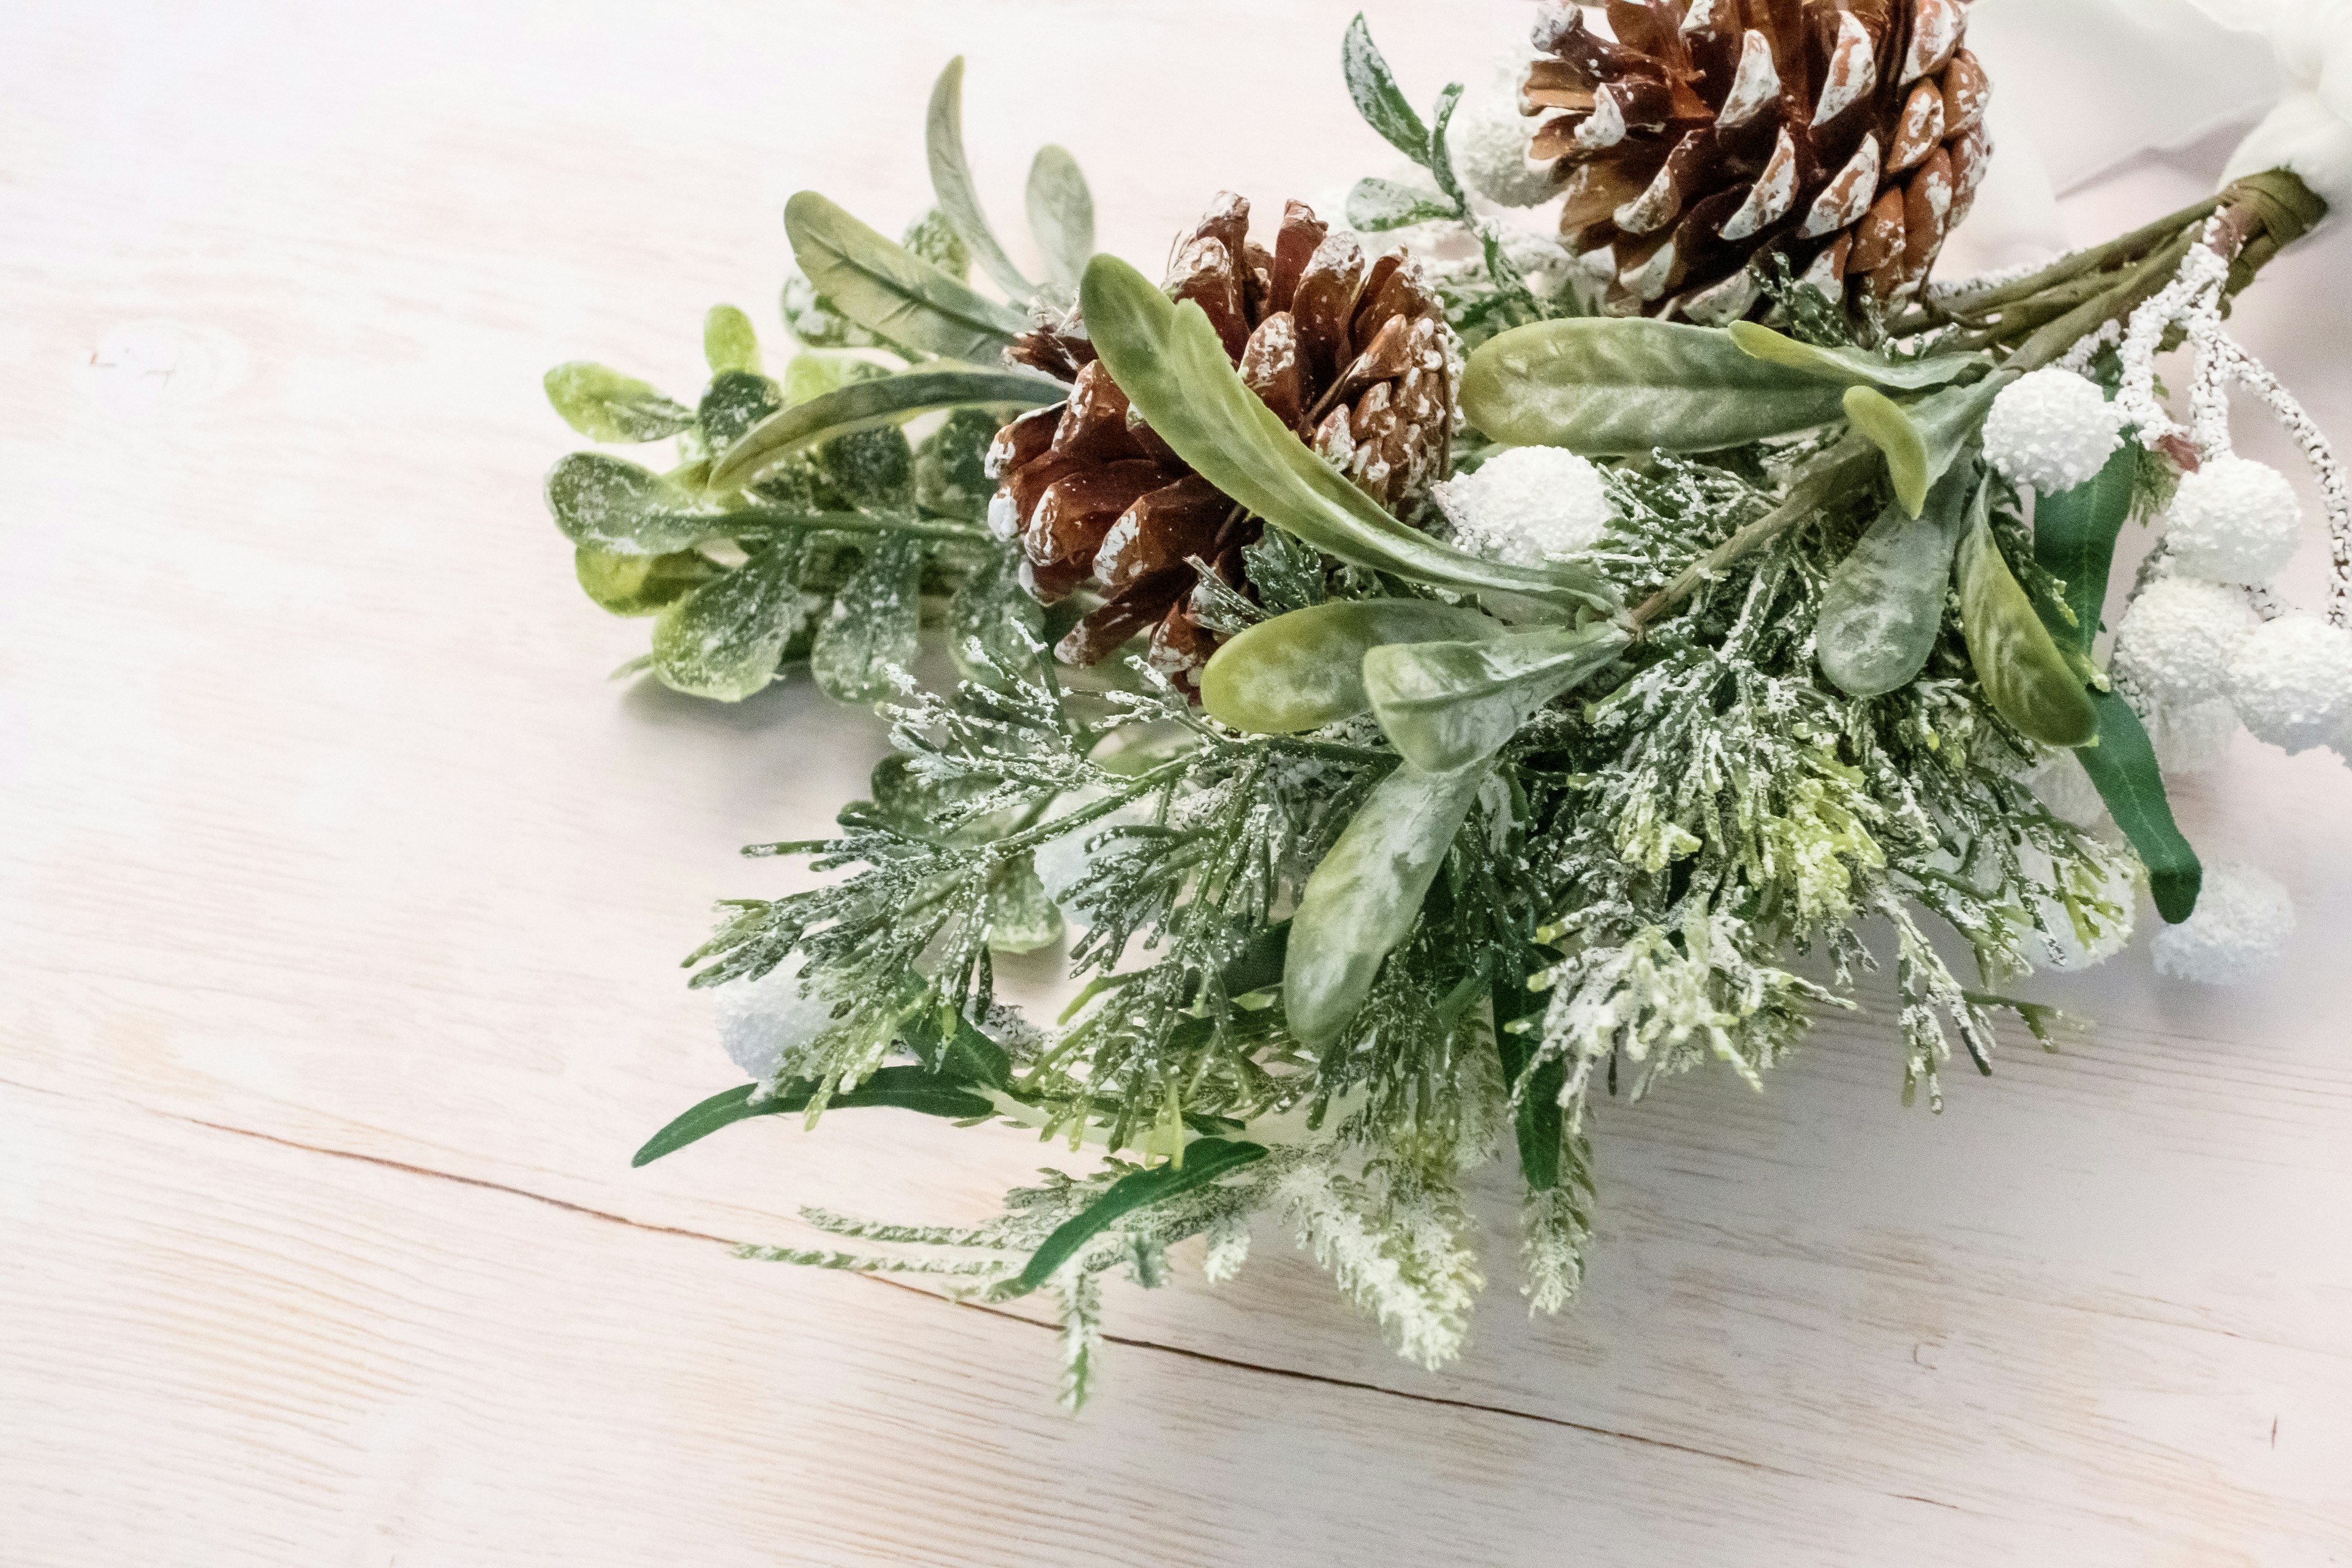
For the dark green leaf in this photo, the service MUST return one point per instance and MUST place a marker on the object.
(1062, 216)
(1609, 386)
(952, 465)
(874, 627)
(1173, 368)
(1854, 367)
(737, 402)
(1885, 603)
(889, 291)
(2023, 674)
(951, 182)
(873, 470)
(1288, 575)
(723, 640)
(901, 1088)
(1364, 897)
(1305, 669)
(1376, 205)
(1378, 99)
(1259, 966)
(1881, 421)
(1440, 156)
(2074, 536)
(867, 404)
(1447, 705)
(639, 584)
(605, 405)
(1540, 1125)
(1206, 1160)
(729, 341)
(614, 506)
(2123, 765)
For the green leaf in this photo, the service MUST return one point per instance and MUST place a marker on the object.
(1541, 1125)
(1173, 368)
(1305, 669)
(729, 341)
(866, 404)
(1376, 205)
(934, 240)
(1364, 897)
(2074, 537)
(899, 1088)
(1951, 423)
(722, 640)
(952, 465)
(1852, 367)
(1259, 964)
(1022, 917)
(873, 470)
(605, 405)
(1288, 575)
(2123, 765)
(874, 627)
(1882, 420)
(2023, 674)
(1206, 1160)
(1446, 705)
(1440, 156)
(1062, 216)
(808, 377)
(639, 584)
(614, 506)
(1885, 603)
(889, 291)
(736, 403)
(1609, 386)
(951, 182)
(1378, 99)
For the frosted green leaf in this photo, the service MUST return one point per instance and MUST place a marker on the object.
(1288, 575)
(1364, 897)
(1885, 603)
(1441, 156)
(1173, 368)
(891, 291)
(816, 320)
(952, 465)
(870, 469)
(874, 626)
(934, 238)
(834, 397)
(2023, 674)
(1378, 99)
(605, 405)
(1854, 367)
(615, 505)
(1447, 705)
(737, 401)
(639, 584)
(1062, 216)
(1376, 205)
(951, 182)
(729, 341)
(1022, 917)
(1305, 669)
(724, 640)
(1884, 423)
(1609, 386)
(992, 609)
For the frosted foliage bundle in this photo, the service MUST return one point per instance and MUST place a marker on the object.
(2242, 925)
(2051, 431)
(2235, 521)
(1490, 139)
(2292, 683)
(2177, 640)
(1529, 505)
(2078, 938)
(762, 1022)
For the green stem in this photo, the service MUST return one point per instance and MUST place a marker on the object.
(760, 522)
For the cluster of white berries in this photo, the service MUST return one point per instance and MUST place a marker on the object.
(1529, 505)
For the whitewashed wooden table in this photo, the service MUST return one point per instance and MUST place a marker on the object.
(341, 902)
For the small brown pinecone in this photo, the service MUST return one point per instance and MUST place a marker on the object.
(1847, 135)
(1352, 356)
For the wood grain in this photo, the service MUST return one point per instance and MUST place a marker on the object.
(340, 900)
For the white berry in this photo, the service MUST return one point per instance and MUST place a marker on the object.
(2242, 925)
(1489, 139)
(763, 1023)
(2051, 431)
(2177, 640)
(1529, 505)
(2235, 521)
(2292, 683)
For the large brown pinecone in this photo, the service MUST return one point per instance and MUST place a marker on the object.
(1349, 354)
(1847, 135)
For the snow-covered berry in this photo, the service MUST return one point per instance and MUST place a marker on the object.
(1489, 139)
(1529, 505)
(2292, 683)
(2190, 740)
(2242, 925)
(763, 1023)
(2177, 640)
(2235, 521)
(2051, 431)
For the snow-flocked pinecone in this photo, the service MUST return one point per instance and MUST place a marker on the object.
(1351, 353)
(1847, 135)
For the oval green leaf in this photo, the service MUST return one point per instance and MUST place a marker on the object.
(722, 641)
(1376, 205)
(951, 182)
(865, 404)
(609, 504)
(1172, 367)
(1882, 420)
(605, 405)
(1609, 386)
(1373, 88)
(2024, 676)
(639, 584)
(889, 291)
(1062, 216)
(872, 631)
(1885, 603)
(1854, 367)
(1022, 917)
(729, 341)
(1364, 897)
(1446, 705)
(1305, 669)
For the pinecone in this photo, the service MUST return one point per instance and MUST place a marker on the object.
(1350, 355)
(1847, 135)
